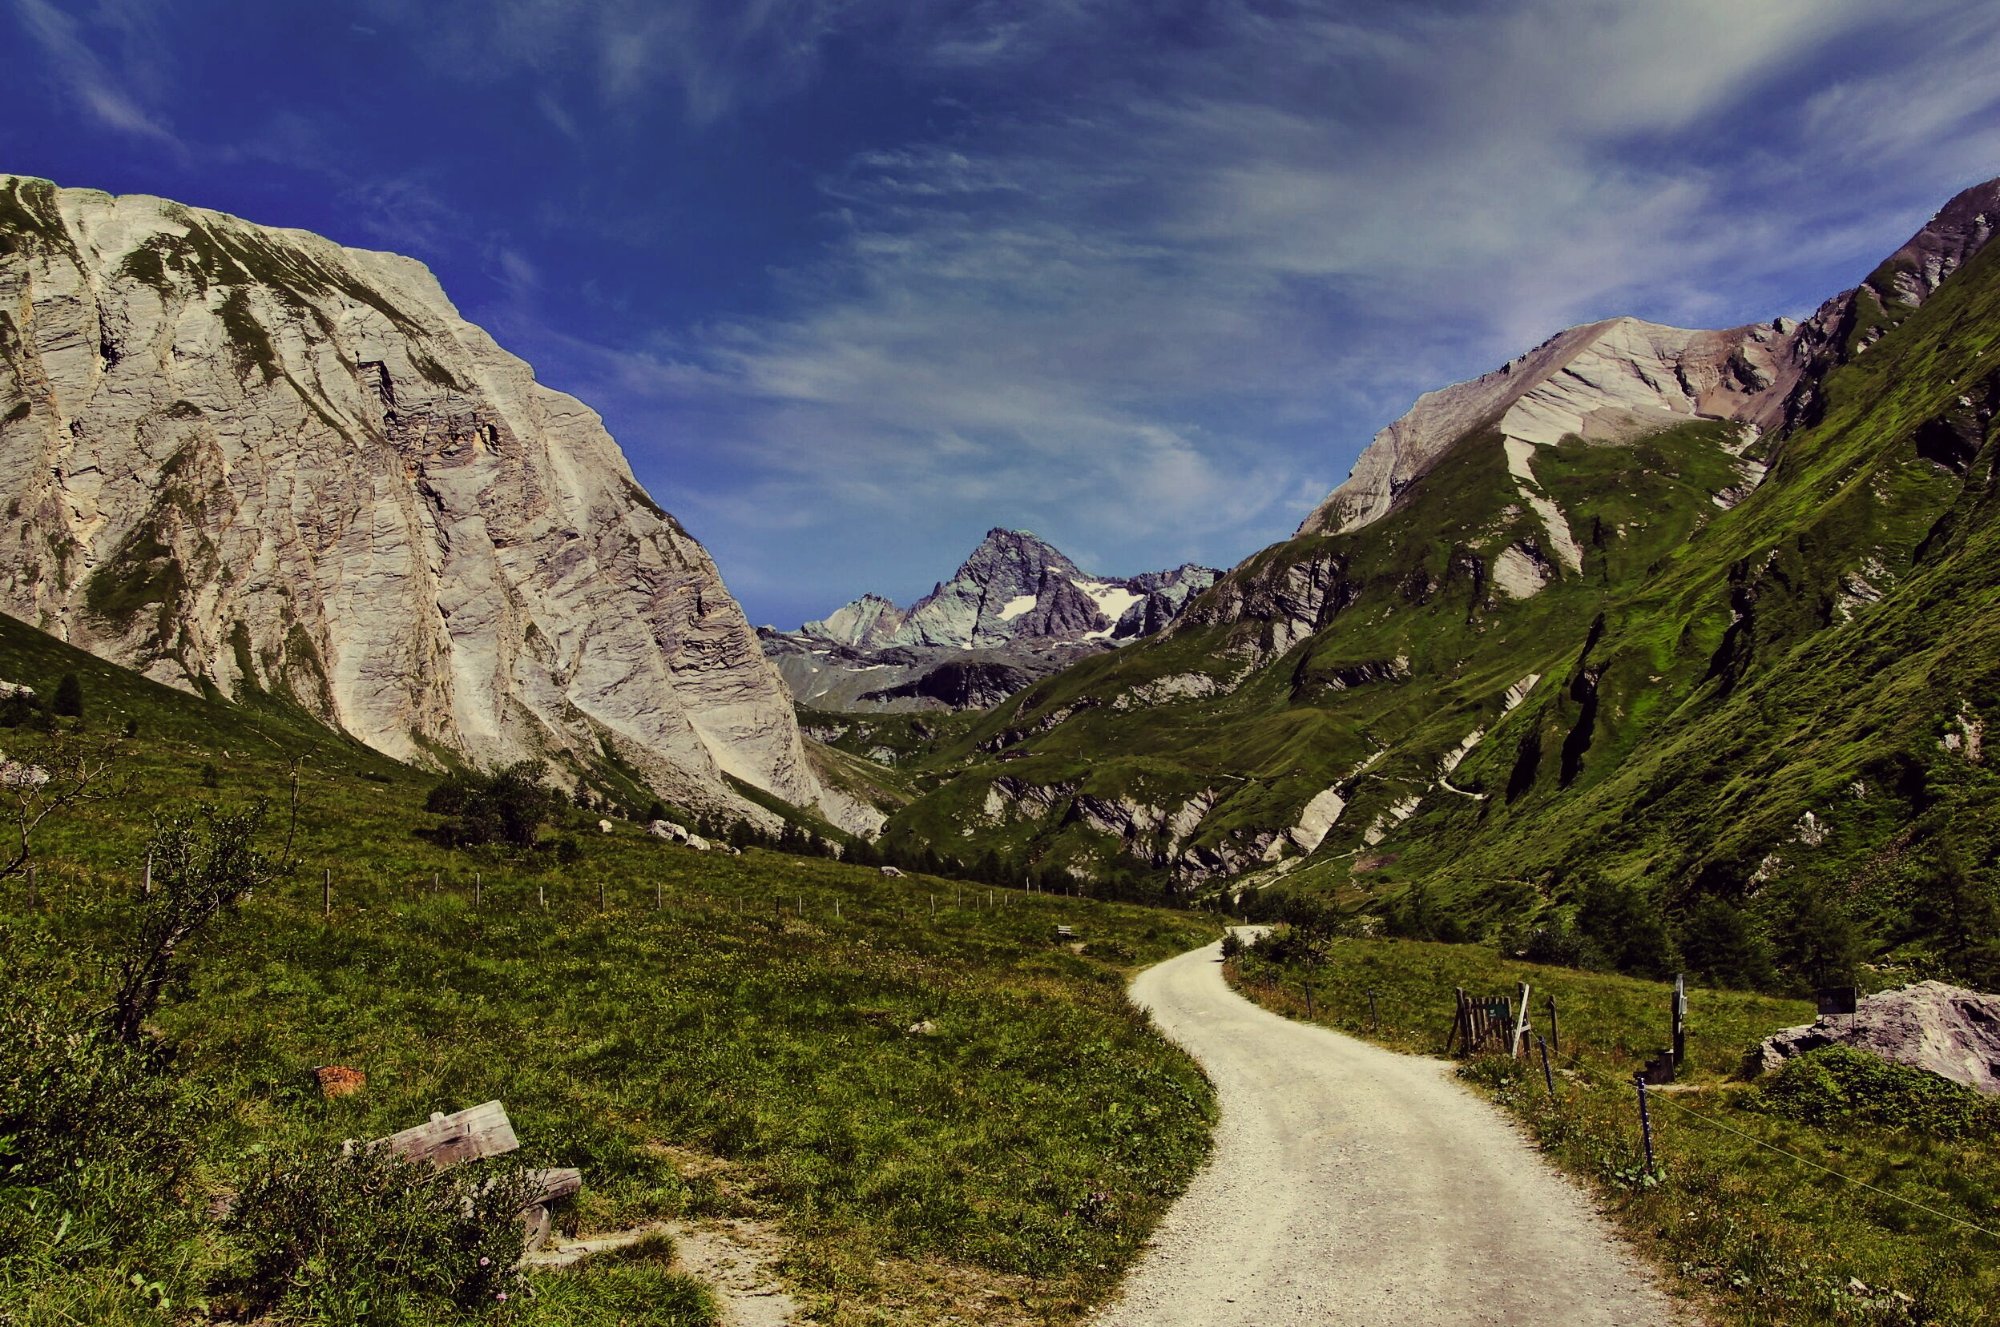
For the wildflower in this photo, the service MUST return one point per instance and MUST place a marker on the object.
(484, 1261)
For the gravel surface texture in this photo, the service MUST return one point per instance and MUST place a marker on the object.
(1350, 1184)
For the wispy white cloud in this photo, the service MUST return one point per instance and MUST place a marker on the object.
(104, 92)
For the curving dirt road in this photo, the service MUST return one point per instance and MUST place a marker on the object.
(1350, 1184)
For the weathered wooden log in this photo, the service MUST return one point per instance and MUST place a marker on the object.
(450, 1140)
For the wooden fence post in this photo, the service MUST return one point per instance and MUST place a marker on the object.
(1519, 1044)
(1555, 1036)
(1680, 1019)
(326, 894)
(600, 893)
(1548, 1077)
(1374, 1023)
(1645, 1121)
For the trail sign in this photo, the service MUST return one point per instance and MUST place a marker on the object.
(1837, 999)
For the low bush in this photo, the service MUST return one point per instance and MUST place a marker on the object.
(372, 1239)
(1838, 1086)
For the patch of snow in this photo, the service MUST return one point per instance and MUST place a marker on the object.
(1111, 600)
(1016, 606)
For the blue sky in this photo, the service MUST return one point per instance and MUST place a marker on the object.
(854, 280)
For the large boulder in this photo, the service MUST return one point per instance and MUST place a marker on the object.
(1949, 1030)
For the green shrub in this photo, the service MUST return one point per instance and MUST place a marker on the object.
(68, 700)
(374, 1239)
(1838, 1086)
(95, 1140)
(509, 806)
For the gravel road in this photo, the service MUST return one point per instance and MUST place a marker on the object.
(1350, 1184)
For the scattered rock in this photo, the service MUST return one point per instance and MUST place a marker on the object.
(604, 827)
(923, 1027)
(1948, 1030)
(892, 873)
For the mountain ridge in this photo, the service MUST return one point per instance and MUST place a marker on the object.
(1017, 608)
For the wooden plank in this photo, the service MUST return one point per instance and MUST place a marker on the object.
(548, 1186)
(1520, 1026)
(449, 1140)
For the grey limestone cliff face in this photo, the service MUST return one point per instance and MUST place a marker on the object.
(250, 458)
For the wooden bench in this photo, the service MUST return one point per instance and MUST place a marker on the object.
(472, 1134)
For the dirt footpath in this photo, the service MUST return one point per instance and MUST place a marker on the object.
(1350, 1184)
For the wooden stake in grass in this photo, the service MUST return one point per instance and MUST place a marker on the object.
(475, 891)
(146, 886)
(1555, 1037)
(326, 894)
(659, 895)
(600, 895)
(1645, 1121)
(542, 895)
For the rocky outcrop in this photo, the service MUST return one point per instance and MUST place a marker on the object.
(1948, 1030)
(1017, 604)
(254, 460)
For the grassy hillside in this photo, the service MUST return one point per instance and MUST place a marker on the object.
(1748, 1208)
(1777, 708)
(936, 1112)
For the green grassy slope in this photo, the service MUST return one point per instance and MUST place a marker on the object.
(697, 1044)
(1708, 680)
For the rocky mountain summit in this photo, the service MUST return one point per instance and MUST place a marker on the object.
(1016, 610)
(250, 460)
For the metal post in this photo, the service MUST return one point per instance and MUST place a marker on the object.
(1555, 1036)
(1548, 1076)
(1645, 1121)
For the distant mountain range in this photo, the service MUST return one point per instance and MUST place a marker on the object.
(1015, 611)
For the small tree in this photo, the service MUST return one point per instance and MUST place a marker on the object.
(59, 773)
(205, 863)
(68, 699)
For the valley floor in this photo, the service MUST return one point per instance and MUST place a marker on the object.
(1351, 1184)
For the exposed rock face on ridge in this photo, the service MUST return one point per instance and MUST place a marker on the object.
(1625, 378)
(1015, 611)
(1603, 381)
(253, 459)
